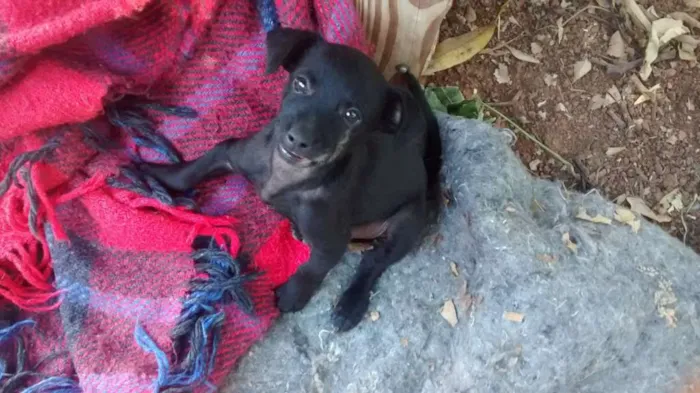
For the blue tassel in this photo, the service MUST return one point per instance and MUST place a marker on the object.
(9, 333)
(147, 344)
(47, 385)
(12, 330)
(196, 367)
(268, 15)
(54, 385)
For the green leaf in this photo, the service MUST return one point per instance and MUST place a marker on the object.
(471, 109)
(451, 100)
(449, 95)
(434, 101)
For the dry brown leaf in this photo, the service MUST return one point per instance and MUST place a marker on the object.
(501, 74)
(637, 205)
(637, 13)
(550, 79)
(686, 18)
(513, 316)
(520, 55)
(616, 46)
(647, 94)
(686, 52)
(620, 198)
(471, 14)
(566, 239)
(560, 29)
(453, 269)
(677, 202)
(626, 216)
(457, 50)
(608, 100)
(597, 102)
(670, 202)
(614, 150)
(598, 219)
(449, 313)
(581, 68)
(665, 201)
(546, 258)
(651, 11)
(535, 48)
(615, 94)
(662, 31)
(374, 316)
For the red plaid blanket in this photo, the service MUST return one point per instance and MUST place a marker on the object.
(107, 282)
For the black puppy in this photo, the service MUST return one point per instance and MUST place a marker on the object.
(346, 151)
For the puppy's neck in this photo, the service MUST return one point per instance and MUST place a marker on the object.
(283, 176)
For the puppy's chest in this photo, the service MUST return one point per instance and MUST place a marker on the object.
(279, 187)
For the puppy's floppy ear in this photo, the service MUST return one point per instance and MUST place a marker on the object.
(285, 47)
(394, 110)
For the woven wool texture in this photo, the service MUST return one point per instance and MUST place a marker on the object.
(101, 258)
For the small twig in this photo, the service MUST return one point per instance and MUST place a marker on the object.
(579, 12)
(529, 136)
(502, 104)
(584, 181)
(503, 44)
(617, 119)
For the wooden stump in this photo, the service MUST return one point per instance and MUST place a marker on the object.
(403, 31)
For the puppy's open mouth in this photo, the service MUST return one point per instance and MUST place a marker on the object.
(290, 156)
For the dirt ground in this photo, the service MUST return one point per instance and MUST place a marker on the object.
(661, 139)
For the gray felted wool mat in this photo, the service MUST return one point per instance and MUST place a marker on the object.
(618, 315)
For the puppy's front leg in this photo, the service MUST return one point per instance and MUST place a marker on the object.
(328, 234)
(220, 160)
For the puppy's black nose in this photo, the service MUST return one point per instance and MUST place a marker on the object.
(295, 140)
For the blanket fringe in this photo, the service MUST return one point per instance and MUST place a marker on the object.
(11, 382)
(24, 256)
(25, 264)
(129, 114)
(198, 330)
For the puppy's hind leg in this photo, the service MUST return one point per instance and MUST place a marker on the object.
(404, 232)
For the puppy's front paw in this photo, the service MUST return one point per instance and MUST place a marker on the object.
(294, 294)
(350, 309)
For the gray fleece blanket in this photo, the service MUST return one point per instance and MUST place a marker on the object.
(513, 294)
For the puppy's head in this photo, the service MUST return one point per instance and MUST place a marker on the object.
(334, 95)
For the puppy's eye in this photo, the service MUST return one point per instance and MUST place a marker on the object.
(301, 85)
(352, 116)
